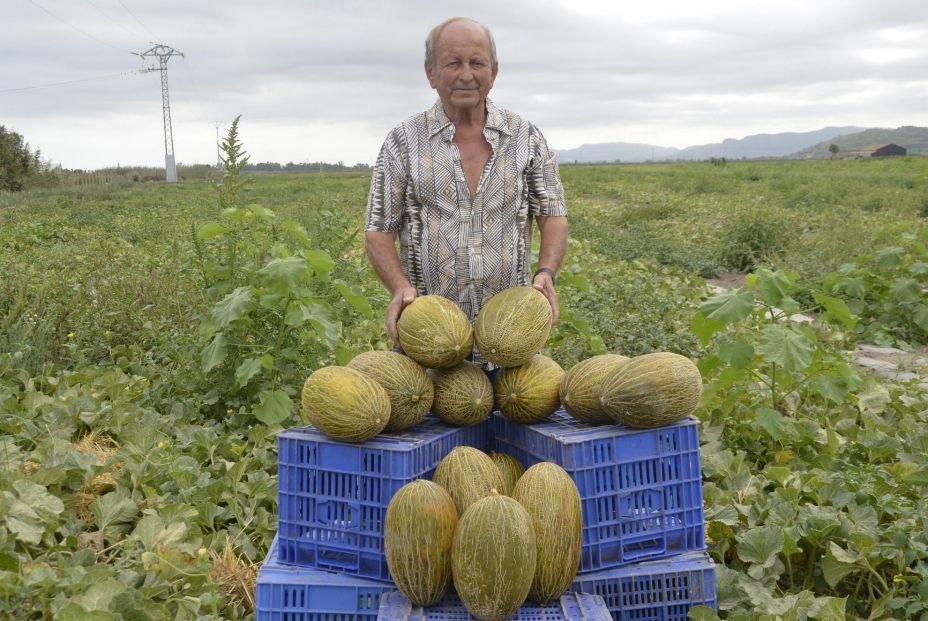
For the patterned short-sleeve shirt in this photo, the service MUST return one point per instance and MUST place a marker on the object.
(464, 247)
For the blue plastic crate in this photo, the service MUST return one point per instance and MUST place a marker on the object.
(662, 590)
(571, 607)
(290, 593)
(334, 495)
(640, 489)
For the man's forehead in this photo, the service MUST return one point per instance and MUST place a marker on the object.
(463, 32)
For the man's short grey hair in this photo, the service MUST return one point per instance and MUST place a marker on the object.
(432, 40)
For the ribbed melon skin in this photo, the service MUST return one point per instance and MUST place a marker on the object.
(513, 326)
(529, 393)
(468, 474)
(652, 390)
(580, 388)
(510, 468)
(463, 395)
(345, 404)
(493, 557)
(406, 382)
(551, 497)
(435, 332)
(418, 534)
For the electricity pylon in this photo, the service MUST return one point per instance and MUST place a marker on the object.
(163, 53)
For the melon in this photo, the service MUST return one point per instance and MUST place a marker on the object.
(434, 332)
(552, 500)
(510, 468)
(468, 474)
(652, 390)
(493, 557)
(513, 326)
(418, 532)
(529, 393)
(345, 404)
(407, 384)
(463, 395)
(579, 390)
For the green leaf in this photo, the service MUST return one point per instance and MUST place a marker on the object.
(773, 286)
(737, 354)
(100, 595)
(906, 290)
(275, 407)
(210, 230)
(854, 287)
(874, 398)
(113, 509)
(771, 421)
(835, 570)
(836, 308)
(829, 608)
(731, 306)
(232, 307)
(702, 613)
(285, 275)
(704, 328)
(355, 297)
(890, 257)
(247, 370)
(919, 268)
(920, 317)
(761, 545)
(786, 347)
(321, 263)
(298, 233)
(214, 353)
(832, 388)
(75, 612)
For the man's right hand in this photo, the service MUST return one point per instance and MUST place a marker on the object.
(401, 299)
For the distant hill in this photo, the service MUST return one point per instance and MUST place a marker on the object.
(615, 151)
(763, 145)
(756, 146)
(913, 138)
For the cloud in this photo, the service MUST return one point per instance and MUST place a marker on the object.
(327, 81)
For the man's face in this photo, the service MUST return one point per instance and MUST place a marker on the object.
(462, 73)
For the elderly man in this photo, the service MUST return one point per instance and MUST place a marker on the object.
(460, 184)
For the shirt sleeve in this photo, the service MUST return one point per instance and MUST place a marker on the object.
(545, 192)
(386, 201)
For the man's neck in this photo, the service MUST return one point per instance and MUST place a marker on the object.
(473, 117)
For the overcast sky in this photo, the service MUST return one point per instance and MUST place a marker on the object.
(327, 80)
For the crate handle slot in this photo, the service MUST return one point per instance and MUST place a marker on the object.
(644, 548)
(333, 557)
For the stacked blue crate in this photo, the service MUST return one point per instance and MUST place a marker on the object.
(641, 493)
(333, 495)
(569, 607)
(643, 547)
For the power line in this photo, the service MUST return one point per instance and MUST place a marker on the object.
(83, 32)
(51, 84)
(106, 15)
(136, 19)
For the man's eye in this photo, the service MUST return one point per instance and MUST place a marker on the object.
(453, 63)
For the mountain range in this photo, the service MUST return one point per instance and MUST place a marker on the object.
(807, 145)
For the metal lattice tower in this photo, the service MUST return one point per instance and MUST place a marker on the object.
(163, 53)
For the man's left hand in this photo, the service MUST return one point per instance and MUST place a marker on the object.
(543, 283)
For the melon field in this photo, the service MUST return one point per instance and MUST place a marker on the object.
(155, 338)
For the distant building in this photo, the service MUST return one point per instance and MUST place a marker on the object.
(876, 150)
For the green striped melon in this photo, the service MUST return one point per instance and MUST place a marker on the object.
(652, 390)
(510, 468)
(551, 497)
(580, 387)
(418, 532)
(529, 393)
(493, 557)
(407, 384)
(463, 395)
(345, 404)
(468, 474)
(434, 332)
(513, 326)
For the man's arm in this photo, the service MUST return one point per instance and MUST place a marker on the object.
(553, 246)
(381, 252)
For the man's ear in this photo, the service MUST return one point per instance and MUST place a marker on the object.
(428, 74)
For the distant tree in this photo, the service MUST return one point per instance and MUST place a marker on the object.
(17, 163)
(833, 149)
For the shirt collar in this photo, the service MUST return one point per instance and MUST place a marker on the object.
(439, 120)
